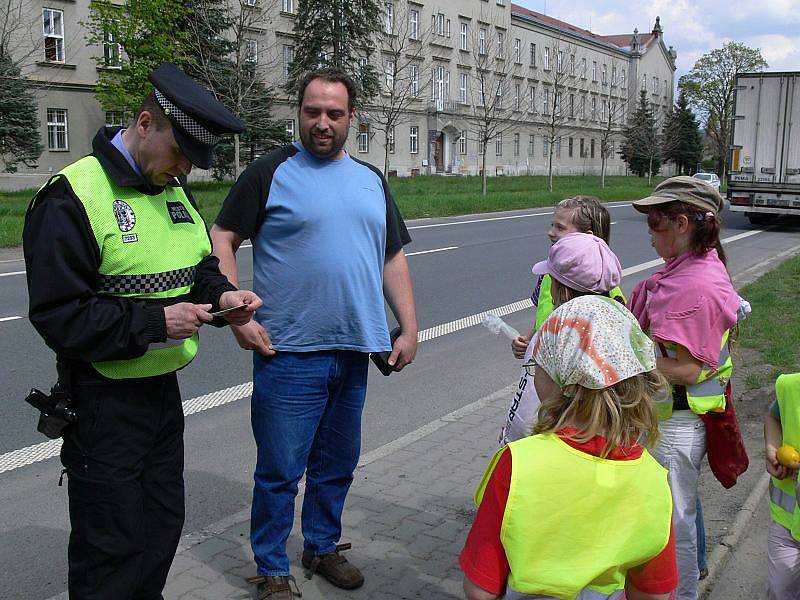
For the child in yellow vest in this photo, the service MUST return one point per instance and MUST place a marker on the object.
(579, 510)
(782, 437)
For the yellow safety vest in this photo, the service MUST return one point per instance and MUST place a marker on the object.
(783, 492)
(149, 249)
(544, 306)
(708, 393)
(575, 523)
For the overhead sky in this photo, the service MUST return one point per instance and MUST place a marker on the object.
(693, 27)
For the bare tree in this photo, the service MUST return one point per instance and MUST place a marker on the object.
(230, 55)
(402, 46)
(20, 33)
(613, 108)
(498, 102)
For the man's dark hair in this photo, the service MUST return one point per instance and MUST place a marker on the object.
(151, 105)
(331, 76)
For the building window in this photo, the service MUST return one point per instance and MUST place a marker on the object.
(111, 50)
(57, 134)
(498, 144)
(531, 144)
(583, 68)
(532, 98)
(665, 89)
(604, 75)
(413, 73)
(413, 24)
(413, 139)
(288, 59)
(249, 2)
(463, 36)
(462, 87)
(583, 107)
(517, 95)
(557, 103)
(388, 25)
(557, 148)
(644, 81)
(363, 137)
(390, 139)
(572, 106)
(546, 102)
(499, 95)
(560, 61)
(501, 2)
(462, 143)
(440, 25)
(546, 58)
(389, 73)
(583, 149)
(251, 51)
(53, 26)
(482, 40)
(114, 118)
(655, 85)
(287, 6)
(594, 109)
(570, 146)
(518, 51)
(533, 55)
(603, 111)
(594, 70)
(572, 65)
(516, 144)
(613, 75)
(545, 147)
(622, 78)
(591, 148)
(290, 129)
(501, 45)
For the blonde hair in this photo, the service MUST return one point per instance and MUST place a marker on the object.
(624, 413)
(588, 214)
(562, 294)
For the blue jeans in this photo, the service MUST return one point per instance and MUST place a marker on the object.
(306, 416)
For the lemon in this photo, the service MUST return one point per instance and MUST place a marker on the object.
(787, 455)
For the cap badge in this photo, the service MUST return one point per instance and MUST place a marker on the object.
(126, 218)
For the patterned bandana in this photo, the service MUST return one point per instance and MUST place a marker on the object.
(592, 341)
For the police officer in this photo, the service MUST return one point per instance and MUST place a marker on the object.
(120, 279)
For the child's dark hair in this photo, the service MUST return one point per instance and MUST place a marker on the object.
(589, 214)
(707, 225)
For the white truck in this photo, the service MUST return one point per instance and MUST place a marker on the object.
(764, 173)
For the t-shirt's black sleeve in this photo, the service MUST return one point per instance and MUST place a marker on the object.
(245, 207)
(62, 261)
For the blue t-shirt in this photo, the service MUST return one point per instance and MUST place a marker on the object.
(321, 230)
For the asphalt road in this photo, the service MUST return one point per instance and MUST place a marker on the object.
(461, 266)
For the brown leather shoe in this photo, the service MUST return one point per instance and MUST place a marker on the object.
(275, 588)
(334, 567)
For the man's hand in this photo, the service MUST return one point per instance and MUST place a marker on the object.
(252, 336)
(237, 298)
(184, 319)
(519, 346)
(404, 350)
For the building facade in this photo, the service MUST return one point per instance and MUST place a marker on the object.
(531, 88)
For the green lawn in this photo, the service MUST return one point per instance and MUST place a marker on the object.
(416, 196)
(773, 328)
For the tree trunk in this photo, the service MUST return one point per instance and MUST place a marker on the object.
(236, 149)
(650, 172)
(550, 168)
(603, 172)
(483, 168)
(386, 154)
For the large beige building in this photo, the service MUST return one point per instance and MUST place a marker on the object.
(552, 86)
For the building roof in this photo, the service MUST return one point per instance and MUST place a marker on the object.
(622, 41)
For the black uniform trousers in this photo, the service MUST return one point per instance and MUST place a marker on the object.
(124, 463)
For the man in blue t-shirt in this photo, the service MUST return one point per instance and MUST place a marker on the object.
(327, 248)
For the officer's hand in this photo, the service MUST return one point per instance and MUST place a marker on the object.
(404, 350)
(519, 346)
(237, 298)
(184, 319)
(252, 336)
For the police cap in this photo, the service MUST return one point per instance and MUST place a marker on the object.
(198, 119)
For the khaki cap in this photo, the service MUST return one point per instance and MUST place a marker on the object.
(683, 189)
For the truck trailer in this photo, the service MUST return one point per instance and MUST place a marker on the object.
(764, 165)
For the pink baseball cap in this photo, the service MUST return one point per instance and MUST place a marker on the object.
(583, 262)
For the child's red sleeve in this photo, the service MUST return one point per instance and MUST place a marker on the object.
(660, 574)
(483, 558)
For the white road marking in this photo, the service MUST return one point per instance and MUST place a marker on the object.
(10, 273)
(32, 454)
(432, 251)
(3, 319)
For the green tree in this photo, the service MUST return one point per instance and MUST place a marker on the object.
(339, 34)
(19, 119)
(135, 37)
(682, 141)
(709, 88)
(641, 148)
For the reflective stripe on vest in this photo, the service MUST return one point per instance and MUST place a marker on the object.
(783, 492)
(584, 493)
(149, 249)
(585, 594)
(708, 393)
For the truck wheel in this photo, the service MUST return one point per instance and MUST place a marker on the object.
(759, 218)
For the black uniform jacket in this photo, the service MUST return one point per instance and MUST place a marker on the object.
(62, 261)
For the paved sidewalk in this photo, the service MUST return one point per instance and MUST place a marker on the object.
(407, 515)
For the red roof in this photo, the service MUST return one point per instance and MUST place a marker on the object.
(621, 41)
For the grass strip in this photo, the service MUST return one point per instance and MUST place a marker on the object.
(417, 197)
(773, 328)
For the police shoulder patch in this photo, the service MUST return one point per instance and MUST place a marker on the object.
(126, 218)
